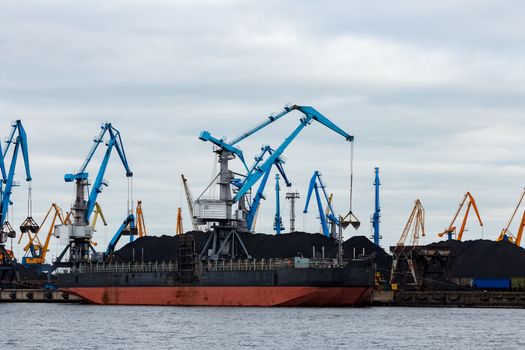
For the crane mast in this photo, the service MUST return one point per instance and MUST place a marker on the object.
(377, 210)
(278, 221)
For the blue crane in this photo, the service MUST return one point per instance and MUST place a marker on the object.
(18, 139)
(259, 195)
(310, 114)
(229, 222)
(278, 221)
(377, 212)
(80, 232)
(328, 217)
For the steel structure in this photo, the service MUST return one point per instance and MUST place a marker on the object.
(190, 200)
(293, 197)
(17, 139)
(140, 224)
(377, 209)
(415, 228)
(278, 221)
(179, 229)
(506, 234)
(35, 250)
(79, 232)
(225, 240)
(451, 230)
(327, 217)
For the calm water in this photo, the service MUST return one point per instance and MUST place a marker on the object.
(46, 326)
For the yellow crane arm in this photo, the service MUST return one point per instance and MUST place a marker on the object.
(141, 225)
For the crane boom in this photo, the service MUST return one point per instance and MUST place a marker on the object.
(506, 235)
(451, 230)
(415, 226)
(310, 113)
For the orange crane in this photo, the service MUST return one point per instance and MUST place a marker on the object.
(451, 230)
(180, 229)
(140, 224)
(506, 235)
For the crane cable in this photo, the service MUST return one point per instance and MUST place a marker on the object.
(351, 173)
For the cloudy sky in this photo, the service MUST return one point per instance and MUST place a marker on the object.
(432, 91)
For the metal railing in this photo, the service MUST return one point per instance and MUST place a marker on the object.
(202, 266)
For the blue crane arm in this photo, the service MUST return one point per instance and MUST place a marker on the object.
(99, 181)
(97, 141)
(6, 193)
(23, 144)
(21, 140)
(314, 114)
(2, 164)
(206, 136)
(252, 212)
(310, 113)
(311, 187)
(271, 118)
(331, 214)
(130, 220)
(115, 135)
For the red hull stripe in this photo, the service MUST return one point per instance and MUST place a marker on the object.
(225, 296)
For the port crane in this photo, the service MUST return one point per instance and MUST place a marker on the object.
(451, 231)
(327, 217)
(415, 229)
(377, 210)
(35, 250)
(224, 237)
(18, 140)
(189, 200)
(79, 232)
(506, 234)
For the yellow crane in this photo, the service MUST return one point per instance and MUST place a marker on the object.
(189, 200)
(506, 234)
(141, 225)
(180, 229)
(451, 230)
(415, 226)
(35, 250)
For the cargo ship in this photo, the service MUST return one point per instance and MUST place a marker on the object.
(190, 281)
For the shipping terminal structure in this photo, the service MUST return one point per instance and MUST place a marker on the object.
(223, 261)
(223, 271)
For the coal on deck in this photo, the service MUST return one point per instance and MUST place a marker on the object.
(260, 246)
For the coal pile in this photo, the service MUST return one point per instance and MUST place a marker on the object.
(260, 246)
(485, 259)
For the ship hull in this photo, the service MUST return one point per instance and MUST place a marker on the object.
(225, 296)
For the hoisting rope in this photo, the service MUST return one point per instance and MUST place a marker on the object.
(29, 200)
(351, 174)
